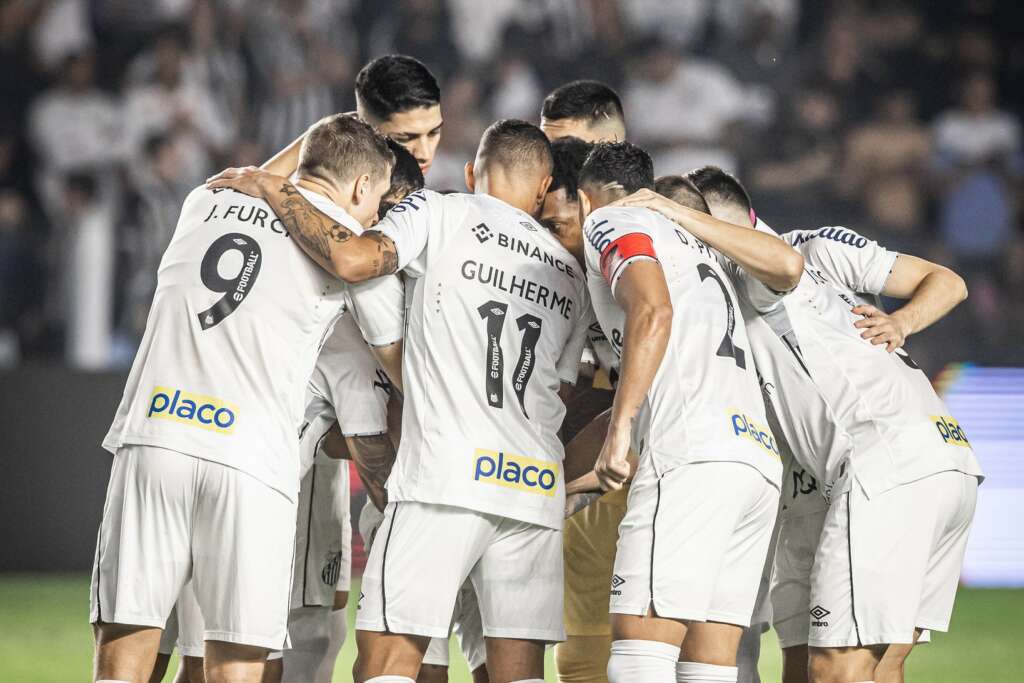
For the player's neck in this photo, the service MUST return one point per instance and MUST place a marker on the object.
(325, 189)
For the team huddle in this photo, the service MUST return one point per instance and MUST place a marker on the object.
(763, 452)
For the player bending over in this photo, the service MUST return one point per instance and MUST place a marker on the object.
(702, 504)
(477, 485)
(205, 472)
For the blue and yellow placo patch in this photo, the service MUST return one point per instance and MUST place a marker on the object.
(515, 472)
(196, 410)
(745, 428)
(950, 430)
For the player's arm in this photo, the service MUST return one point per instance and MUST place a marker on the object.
(766, 257)
(642, 292)
(374, 456)
(333, 444)
(286, 161)
(389, 357)
(931, 291)
(338, 250)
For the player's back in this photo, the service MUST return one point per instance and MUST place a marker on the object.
(494, 327)
(705, 403)
(237, 319)
(885, 417)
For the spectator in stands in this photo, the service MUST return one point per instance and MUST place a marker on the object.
(75, 127)
(884, 171)
(21, 277)
(684, 110)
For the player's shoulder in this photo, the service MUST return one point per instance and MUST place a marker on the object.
(826, 237)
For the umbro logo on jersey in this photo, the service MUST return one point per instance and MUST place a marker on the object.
(205, 412)
(746, 428)
(529, 226)
(818, 614)
(950, 430)
(482, 232)
(616, 582)
(515, 472)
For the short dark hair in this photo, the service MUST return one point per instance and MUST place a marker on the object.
(588, 100)
(569, 154)
(341, 147)
(720, 187)
(682, 191)
(618, 162)
(395, 83)
(513, 143)
(406, 175)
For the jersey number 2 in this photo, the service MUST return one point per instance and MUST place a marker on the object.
(728, 347)
(236, 288)
(494, 313)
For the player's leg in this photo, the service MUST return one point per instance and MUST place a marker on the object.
(337, 630)
(469, 630)
(583, 659)
(921, 529)
(144, 533)
(167, 640)
(405, 600)
(243, 541)
(273, 671)
(797, 541)
(518, 584)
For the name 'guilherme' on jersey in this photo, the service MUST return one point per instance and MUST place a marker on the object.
(494, 326)
(237, 321)
(842, 402)
(704, 404)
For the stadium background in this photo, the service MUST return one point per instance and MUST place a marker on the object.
(899, 119)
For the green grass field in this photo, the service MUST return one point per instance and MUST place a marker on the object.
(44, 637)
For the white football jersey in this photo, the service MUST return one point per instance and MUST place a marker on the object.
(704, 404)
(841, 401)
(237, 322)
(495, 324)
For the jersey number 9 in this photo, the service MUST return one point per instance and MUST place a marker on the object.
(236, 288)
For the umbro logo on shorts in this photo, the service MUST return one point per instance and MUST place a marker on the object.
(482, 232)
(616, 582)
(819, 613)
(950, 430)
(205, 412)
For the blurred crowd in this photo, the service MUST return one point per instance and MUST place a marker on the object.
(899, 119)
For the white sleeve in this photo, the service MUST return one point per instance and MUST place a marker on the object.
(352, 382)
(569, 361)
(848, 258)
(409, 225)
(614, 239)
(759, 295)
(378, 308)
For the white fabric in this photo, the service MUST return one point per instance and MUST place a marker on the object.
(515, 569)
(309, 630)
(704, 404)
(975, 138)
(693, 542)
(698, 672)
(468, 630)
(169, 636)
(642, 661)
(323, 538)
(495, 326)
(190, 623)
(168, 517)
(234, 392)
(748, 653)
(841, 401)
(890, 564)
(390, 679)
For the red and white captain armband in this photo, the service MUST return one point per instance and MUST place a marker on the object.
(632, 247)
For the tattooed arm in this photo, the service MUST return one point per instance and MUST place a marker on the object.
(334, 247)
(374, 456)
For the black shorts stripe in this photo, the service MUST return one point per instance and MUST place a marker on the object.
(309, 531)
(849, 555)
(654, 537)
(383, 570)
(99, 549)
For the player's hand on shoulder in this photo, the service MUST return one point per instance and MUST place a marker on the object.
(249, 180)
(881, 327)
(643, 198)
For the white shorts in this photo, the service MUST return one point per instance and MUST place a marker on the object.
(693, 543)
(423, 553)
(890, 564)
(467, 627)
(169, 517)
(323, 536)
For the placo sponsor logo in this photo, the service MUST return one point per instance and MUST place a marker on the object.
(745, 428)
(205, 412)
(515, 472)
(950, 430)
